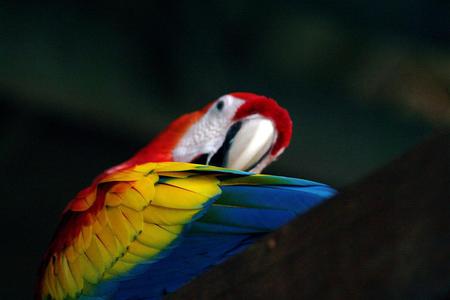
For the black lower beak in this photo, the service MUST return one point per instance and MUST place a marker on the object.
(219, 159)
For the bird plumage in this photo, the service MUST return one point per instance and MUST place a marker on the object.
(147, 230)
(152, 223)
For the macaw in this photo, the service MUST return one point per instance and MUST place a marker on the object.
(147, 226)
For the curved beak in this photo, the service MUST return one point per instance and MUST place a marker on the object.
(247, 143)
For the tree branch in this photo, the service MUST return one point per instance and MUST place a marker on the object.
(387, 236)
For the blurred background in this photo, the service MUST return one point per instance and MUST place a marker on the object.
(84, 85)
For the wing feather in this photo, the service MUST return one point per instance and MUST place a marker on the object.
(113, 230)
(146, 230)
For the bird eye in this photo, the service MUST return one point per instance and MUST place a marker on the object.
(219, 105)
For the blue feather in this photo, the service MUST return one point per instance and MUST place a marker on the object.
(244, 212)
(190, 258)
(260, 219)
(292, 198)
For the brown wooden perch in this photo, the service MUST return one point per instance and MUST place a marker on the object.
(386, 237)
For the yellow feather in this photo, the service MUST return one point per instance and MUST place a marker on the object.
(98, 255)
(75, 268)
(120, 187)
(119, 268)
(174, 197)
(70, 253)
(145, 168)
(173, 167)
(133, 217)
(175, 229)
(78, 243)
(122, 228)
(65, 277)
(133, 199)
(96, 227)
(126, 175)
(204, 185)
(86, 232)
(144, 251)
(132, 259)
(59, 294)
(175, 174)
(155, 236)
(110, 242)
(140, 218)
(168, 216)
(101, 217)
(112, 199)
(51, 279)
(89, 272)
(146, 186)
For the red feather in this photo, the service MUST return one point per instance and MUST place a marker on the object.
(257, 104)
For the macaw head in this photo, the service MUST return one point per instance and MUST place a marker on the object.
(239, 131)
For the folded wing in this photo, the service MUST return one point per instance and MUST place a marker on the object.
(145, 231)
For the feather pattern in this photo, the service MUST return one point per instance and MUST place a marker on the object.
(145, 231)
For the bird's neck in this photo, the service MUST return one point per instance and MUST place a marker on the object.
(161, 147)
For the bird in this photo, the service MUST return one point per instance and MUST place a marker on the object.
(188, 200)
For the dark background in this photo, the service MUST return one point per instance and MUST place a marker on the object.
(84, 85)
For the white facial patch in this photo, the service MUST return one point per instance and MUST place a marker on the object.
(208, 134)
